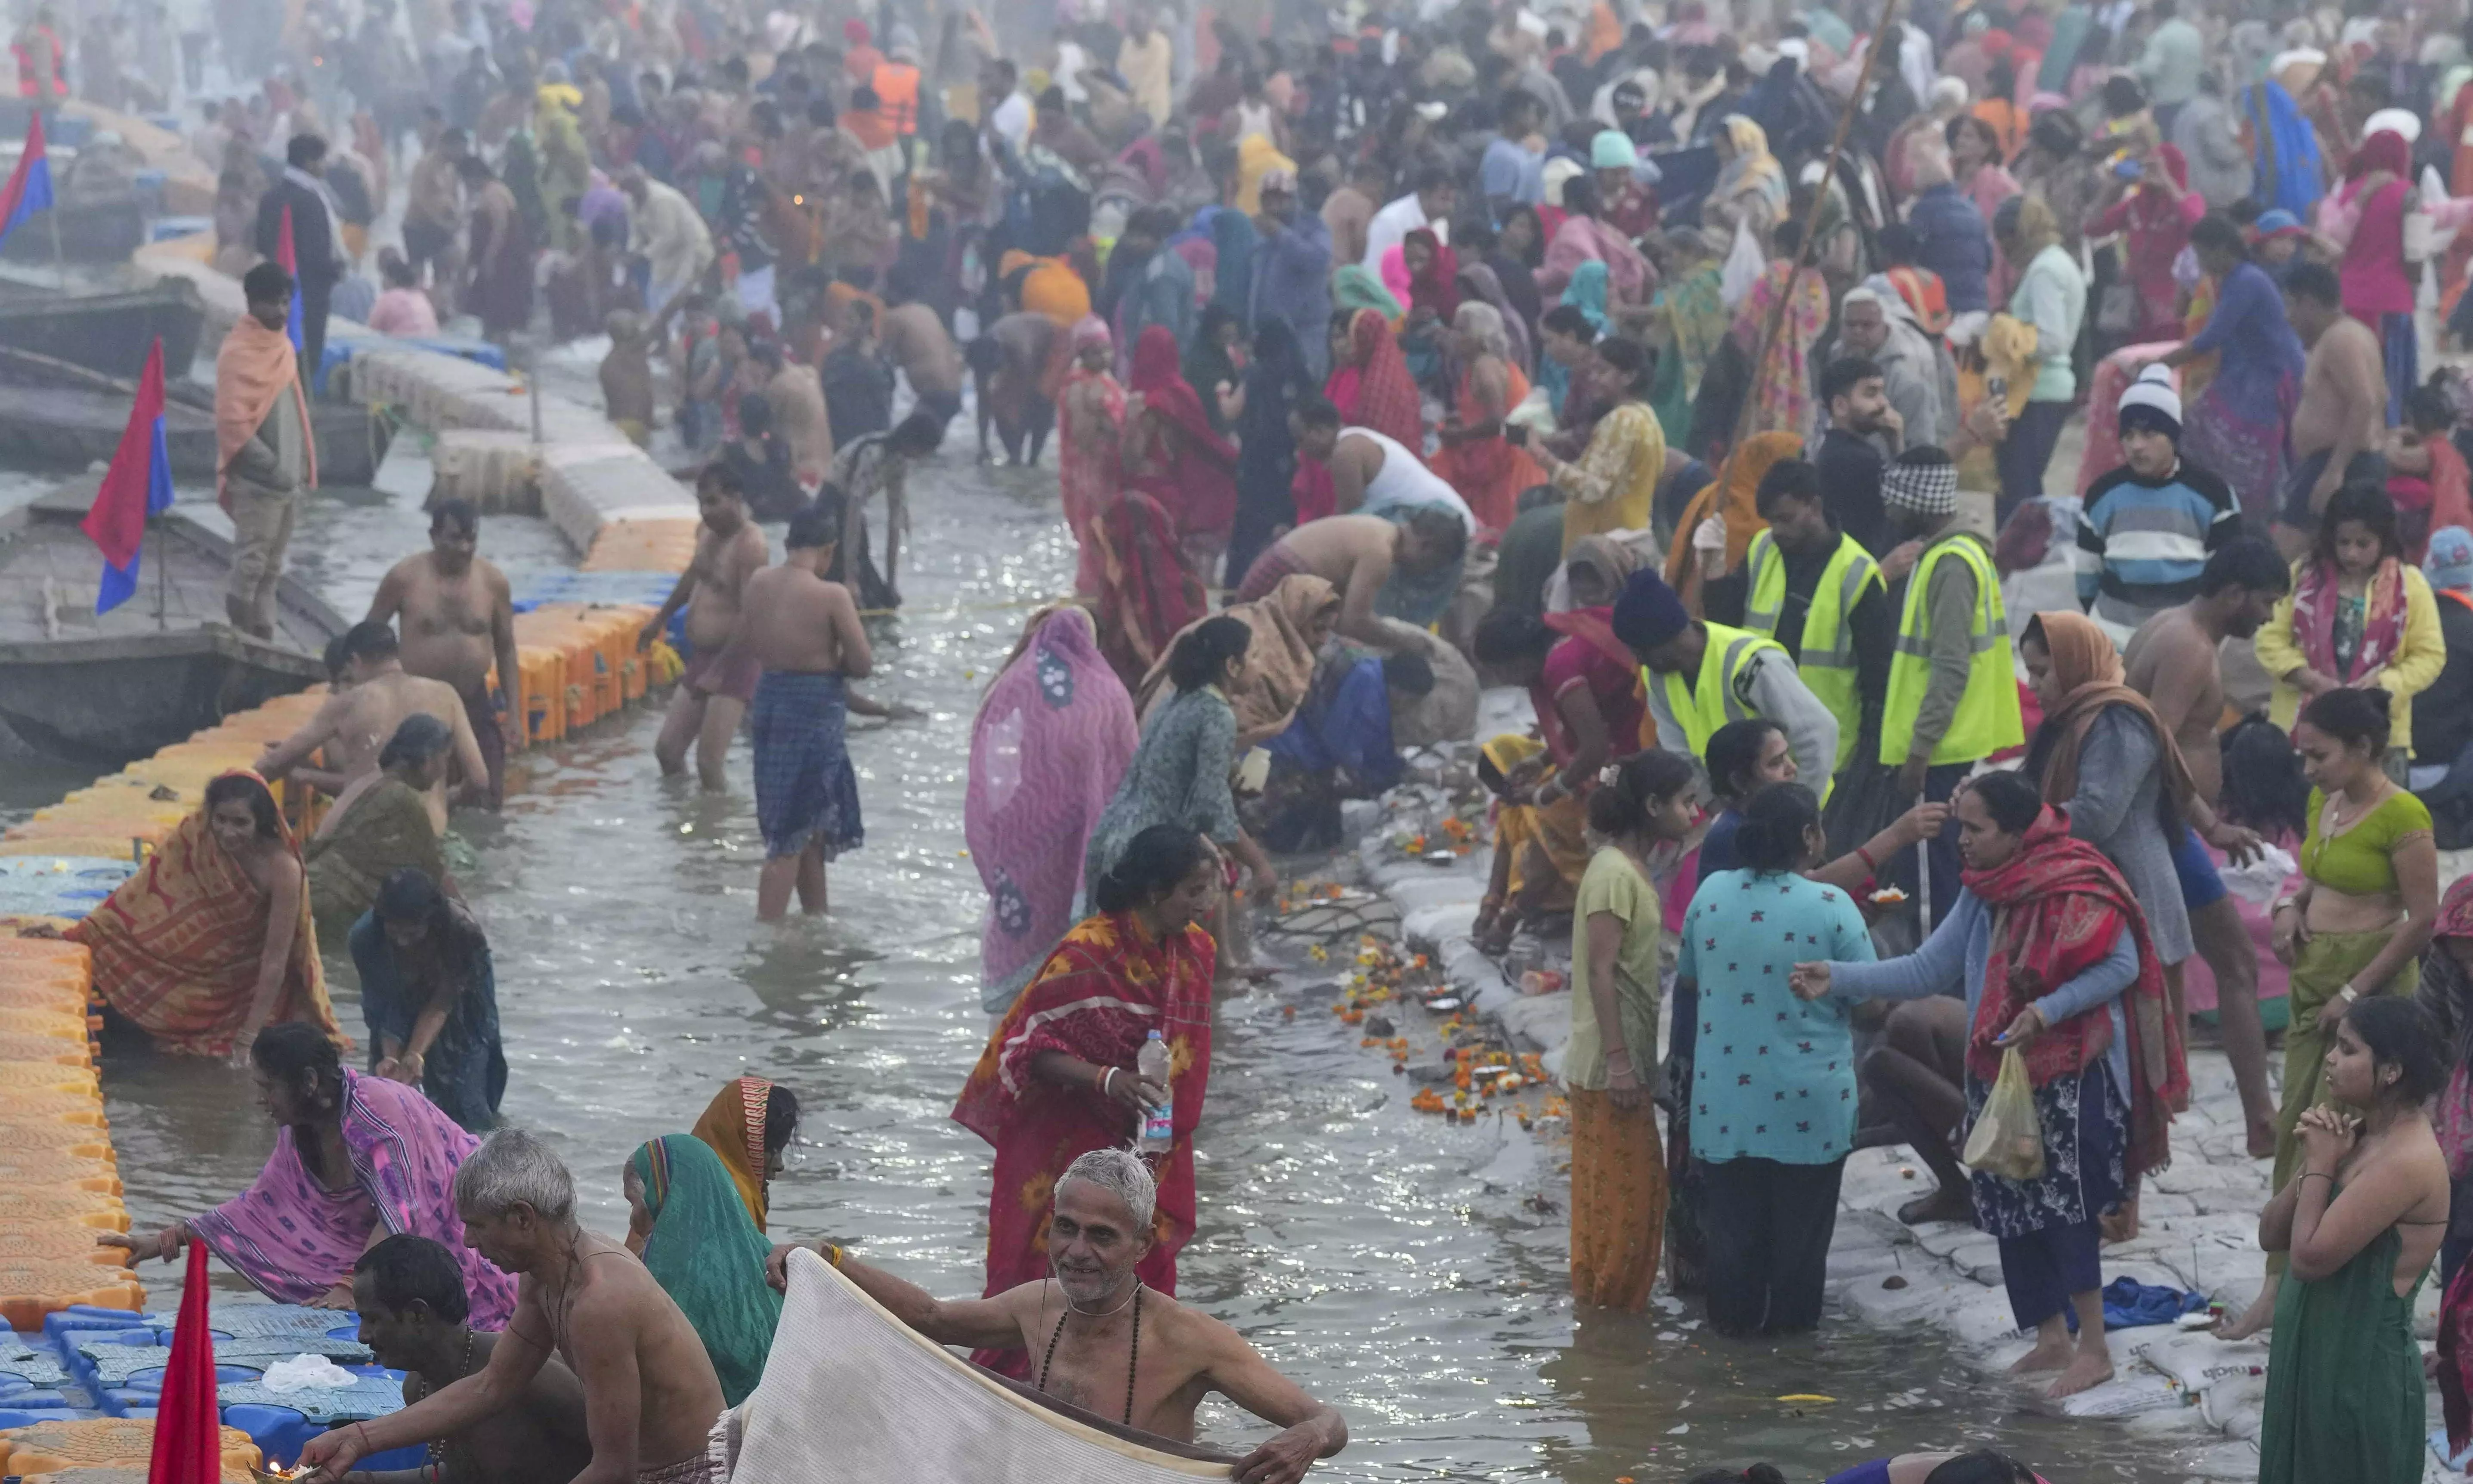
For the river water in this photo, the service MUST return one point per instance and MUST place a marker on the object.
(1391, 1263)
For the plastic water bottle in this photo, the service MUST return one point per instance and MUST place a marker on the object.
(1159, 1122)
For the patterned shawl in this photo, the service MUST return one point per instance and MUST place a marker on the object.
(1281, 665)
(732, 1123)
(1375, 391)
(176, 946)
(294, 1238)
(2316, 596)
(1051, 740)
(708, 1257)
(2057, 907)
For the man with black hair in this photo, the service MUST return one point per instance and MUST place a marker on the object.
(355, 725)
(1511, 172)
(409, 1295)
(317, 239)
(258, 386)
(720, 679)
(457, 613)
(1292, 269)
(1430, 203)
(761, 462)
(2174, 661)
(2340, 423)
(1007, 112)
(1865, 431)
(803, 630)
(1814, 589)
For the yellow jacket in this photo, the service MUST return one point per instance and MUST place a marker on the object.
(2418, 660)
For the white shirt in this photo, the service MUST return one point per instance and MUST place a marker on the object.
(1011, 119)
(1392, 223)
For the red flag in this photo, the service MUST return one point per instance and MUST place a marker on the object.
(139, 485)
(188, 1436)
(29, 186)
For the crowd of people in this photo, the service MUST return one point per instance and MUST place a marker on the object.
(1661, 362)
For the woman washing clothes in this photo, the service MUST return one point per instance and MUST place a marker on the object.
(356, 1160)
(431, 998)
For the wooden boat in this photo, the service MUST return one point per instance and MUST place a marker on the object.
(106, 332)
(105, 689)
(95, 231)
(58, 416)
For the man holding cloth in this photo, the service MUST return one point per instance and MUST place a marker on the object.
(263, 449)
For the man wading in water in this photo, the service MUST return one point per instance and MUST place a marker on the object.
(650, 1394)
(458, 619)
(1105, 1342)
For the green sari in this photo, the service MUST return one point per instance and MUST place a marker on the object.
(1696, 320)
(707, 1254)
(1354, 288)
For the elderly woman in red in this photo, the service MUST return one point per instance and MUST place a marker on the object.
(1173, 454)
(1059, 1077)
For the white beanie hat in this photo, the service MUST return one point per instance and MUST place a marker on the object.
(2153, 391)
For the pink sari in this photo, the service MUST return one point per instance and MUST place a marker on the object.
(294, 1238)
(1052, 739)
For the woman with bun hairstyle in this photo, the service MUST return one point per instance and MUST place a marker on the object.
(1618, 925)
(1058, 1080)
(2050, 949)
(1182, 771)
(2366, 909)
(1772, 1094)
(2359, 1227)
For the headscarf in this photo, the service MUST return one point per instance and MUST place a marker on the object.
(1354, 287)
(732, 1123)
(1731, 499)
(1437, 285)
(1753, 167)
(2448, 562)
(1208, 363)
(1233, 234)
(2286, 147)
(1611, 560)
(709, 1257)
(1482, 322)
(2385, 150)
(2058, 906)
(1165, 391)
(1481, 281)
(1375, 390)
(2088, 670)
(1587, 293)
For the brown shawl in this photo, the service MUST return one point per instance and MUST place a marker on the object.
(2089, 671)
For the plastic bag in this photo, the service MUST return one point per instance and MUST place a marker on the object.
(306, 1373)
(1743, 268)
(2007, 1139)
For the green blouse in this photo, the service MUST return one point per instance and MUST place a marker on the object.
(1613, 884)
(2361, 861)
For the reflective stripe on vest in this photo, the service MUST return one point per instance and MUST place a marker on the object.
(1826, 663)
(1711, 700)
(1988, 720)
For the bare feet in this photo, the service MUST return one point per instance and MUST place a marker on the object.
(2262, 1138)
(2254, 1320)
(2086, 1371)
(2047, 1355)
(2120, 1223)
(1942, 1205)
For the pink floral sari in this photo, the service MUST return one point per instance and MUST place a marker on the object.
(294, 1238)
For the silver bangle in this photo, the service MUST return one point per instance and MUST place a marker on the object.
(1107, 1080)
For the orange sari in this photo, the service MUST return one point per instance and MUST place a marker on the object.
(1488, 472)
(732, 1123)
(176, 946)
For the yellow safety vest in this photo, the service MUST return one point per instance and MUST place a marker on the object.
(1988, 720)
(1711, 701)
(1828, 659)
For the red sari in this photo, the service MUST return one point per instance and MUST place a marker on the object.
(2058, 905)
(1190, 469)
(1375, 390)
(1103, 990)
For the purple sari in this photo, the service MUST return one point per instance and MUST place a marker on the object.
(294, 1238)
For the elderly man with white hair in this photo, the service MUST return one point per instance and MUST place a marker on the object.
(1874, 323)
(1106, 1342)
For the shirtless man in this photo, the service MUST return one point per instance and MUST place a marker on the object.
(2341, 422)
(410, 1298)
(2172, 661)
(806, 633)
(719, 683)
(650, 1394)
(355, 725)
(1358, 553)
(1083, 1324)
(915, 340)
(800, 419)
(458, 618)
